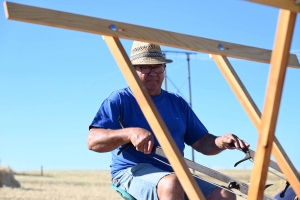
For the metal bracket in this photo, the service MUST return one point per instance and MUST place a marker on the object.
(233, 184)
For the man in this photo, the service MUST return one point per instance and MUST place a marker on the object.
(133, 170)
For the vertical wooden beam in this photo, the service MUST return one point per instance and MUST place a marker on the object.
(154, 119)
(279, 62)
(254, 114)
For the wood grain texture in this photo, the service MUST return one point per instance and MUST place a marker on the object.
(133, 32)
(254, 114)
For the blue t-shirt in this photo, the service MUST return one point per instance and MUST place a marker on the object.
(182, 123)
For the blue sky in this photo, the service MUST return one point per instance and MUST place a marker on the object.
(52, 80)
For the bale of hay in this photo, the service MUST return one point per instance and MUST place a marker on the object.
(7, 178)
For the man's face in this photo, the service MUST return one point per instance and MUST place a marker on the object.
(152, 77)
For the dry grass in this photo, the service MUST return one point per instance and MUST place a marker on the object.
(64, 185)
(88, 185)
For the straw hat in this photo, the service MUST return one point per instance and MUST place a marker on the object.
(147, 54)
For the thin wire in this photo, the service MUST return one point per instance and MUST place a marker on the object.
(175, 87)
(182, 84)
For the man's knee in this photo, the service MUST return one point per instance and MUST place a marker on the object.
(170, 182)
(221, 193)
(170, 186)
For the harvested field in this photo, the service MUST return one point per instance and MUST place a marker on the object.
(88, 185)
(74, 184)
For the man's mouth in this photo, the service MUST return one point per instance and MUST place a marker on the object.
(151, 80)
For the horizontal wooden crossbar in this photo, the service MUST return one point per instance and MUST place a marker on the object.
(133, 32)
(284, 4)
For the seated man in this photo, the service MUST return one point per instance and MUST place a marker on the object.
(133, 170)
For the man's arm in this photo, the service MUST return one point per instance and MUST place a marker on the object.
(105, 140)
(210, 144)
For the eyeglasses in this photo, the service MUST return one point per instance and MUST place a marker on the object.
(146, 69)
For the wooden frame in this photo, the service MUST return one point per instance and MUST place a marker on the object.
(279, 62)
(284, 4)
(279, 59)
(87, 24)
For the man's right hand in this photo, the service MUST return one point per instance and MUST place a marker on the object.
(142, 140)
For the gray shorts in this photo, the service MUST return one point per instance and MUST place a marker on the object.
(142, 179)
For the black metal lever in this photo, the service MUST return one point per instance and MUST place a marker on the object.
(126, 146)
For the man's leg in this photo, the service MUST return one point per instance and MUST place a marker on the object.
(220, 193)
(169, 188)
(146, 182)
(140, 181)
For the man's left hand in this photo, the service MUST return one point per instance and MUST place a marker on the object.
(231, 141)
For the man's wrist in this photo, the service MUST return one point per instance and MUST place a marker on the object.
(219, 143)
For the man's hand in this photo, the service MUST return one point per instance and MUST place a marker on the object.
(231, 141)
(142, 140)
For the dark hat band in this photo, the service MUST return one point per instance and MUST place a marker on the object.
(149, 54)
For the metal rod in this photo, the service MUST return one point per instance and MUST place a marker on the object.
(164, 55)
(189, 82)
